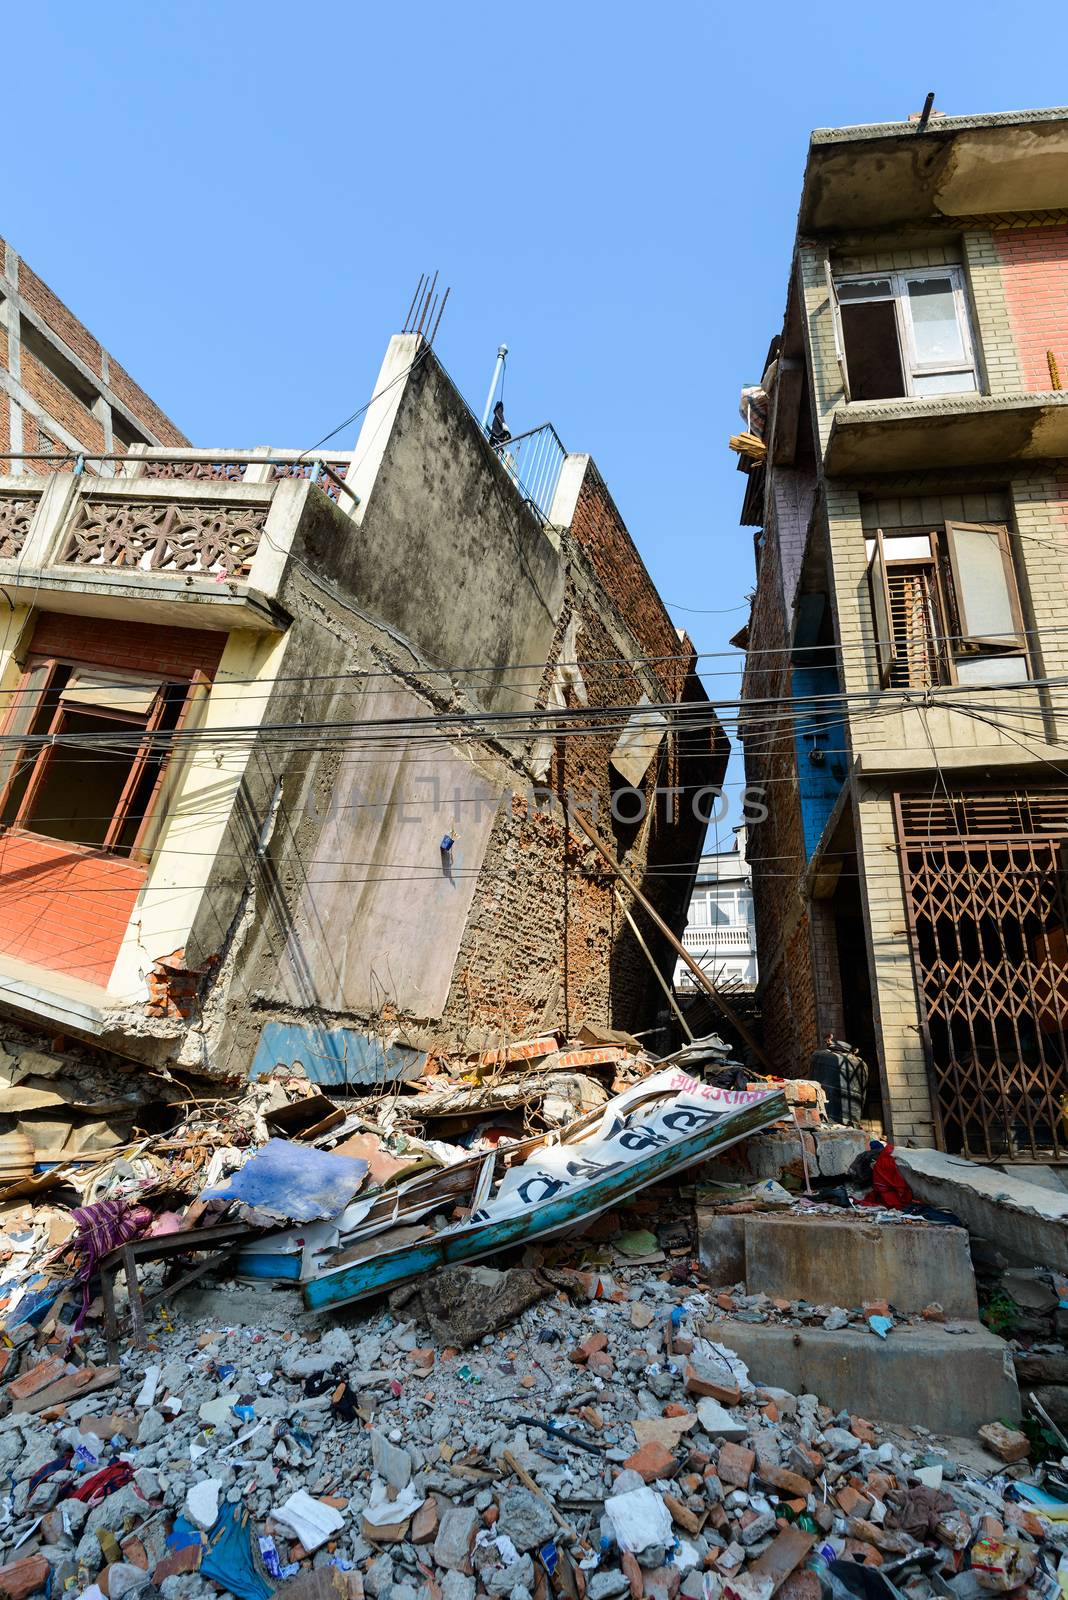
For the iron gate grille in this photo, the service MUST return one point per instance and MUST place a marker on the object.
(985, 893)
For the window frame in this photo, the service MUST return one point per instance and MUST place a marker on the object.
(911, 367)
(986, 645)
(150, 826)
(954, 642)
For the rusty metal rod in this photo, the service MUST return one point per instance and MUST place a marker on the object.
(659, 976)
(698, 971)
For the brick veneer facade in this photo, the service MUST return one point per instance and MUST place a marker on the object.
(1034, 273)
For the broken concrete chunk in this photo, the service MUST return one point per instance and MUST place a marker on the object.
(718, 1422)
(456, 1537)
(202, 1503)
(1006, 1443)
(640, 1520)
(390, 1461)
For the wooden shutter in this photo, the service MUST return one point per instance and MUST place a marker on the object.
(984, 586)
(836, 326)
(885, 643)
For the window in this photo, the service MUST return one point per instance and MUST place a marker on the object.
(946, 607)
(699, 911)
(99, 780)
(902, 333)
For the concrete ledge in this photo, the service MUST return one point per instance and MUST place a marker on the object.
(950, 1383)
(830, 1262)
(1026, 1220)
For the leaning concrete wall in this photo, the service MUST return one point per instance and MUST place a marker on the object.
(444, 548)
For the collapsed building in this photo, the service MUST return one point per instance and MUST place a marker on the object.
(293, 746)
(905, 455)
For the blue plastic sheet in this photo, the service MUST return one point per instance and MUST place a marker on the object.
(293, 1182)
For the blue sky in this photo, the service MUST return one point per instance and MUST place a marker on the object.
(238, 199)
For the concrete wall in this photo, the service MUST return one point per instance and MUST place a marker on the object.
(298, 881)
(444, 549)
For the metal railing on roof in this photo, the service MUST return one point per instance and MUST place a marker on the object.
(534, 460)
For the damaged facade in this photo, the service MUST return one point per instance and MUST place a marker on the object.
(906, 474)
(286, 743)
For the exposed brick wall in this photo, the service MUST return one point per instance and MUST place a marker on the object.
(63, 908)
(54, 396)
(141, 408)
(546, 943)
(602, 534)
(1034, 265)
(133, 646)
(58, 401)
(50, 309)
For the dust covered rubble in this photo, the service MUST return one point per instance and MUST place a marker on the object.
(412, 1468)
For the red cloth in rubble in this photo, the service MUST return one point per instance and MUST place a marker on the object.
(888, 1187)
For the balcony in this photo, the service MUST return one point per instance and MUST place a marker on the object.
(186, 537)
(961, 430)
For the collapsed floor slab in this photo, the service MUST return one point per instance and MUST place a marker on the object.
(952, 1382)
(1028, 1221)
(826, 1261)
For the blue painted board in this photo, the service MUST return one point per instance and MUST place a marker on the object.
(335, 1055)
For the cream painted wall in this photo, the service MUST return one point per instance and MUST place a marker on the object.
(198, 812)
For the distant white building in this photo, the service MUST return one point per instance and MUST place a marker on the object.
(720, 929)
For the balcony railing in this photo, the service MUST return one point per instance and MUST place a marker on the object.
(218, 466)
(715, 939)
(534, 460)
(207, 535)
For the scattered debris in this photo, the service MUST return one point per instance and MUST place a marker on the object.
(566, 1421)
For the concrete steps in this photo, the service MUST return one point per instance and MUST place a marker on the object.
(949, 1381)
(832, 1262)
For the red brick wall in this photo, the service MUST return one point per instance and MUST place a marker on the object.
(51, 310)
(63, 908)
(546, 943)
(141, 408)
(602, 534)
(133, 646)
(58, 401)
(1034, 270)
(54, 396)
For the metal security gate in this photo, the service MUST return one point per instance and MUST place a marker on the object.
(985, 892)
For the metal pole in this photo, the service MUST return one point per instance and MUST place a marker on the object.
(502, 351)
(648, 954)
(680, 949)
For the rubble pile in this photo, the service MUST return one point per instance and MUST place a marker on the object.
(568, 1421)
(603, 1447)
